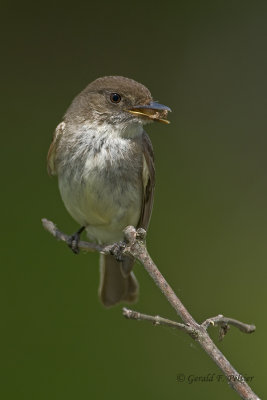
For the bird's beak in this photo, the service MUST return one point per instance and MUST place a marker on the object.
(153, 110)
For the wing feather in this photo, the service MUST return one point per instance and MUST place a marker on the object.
(148, 182)
(51, 168)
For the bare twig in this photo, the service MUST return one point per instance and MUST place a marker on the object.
(220, 320)
(224, 324)
(157, 320)
(135, 246)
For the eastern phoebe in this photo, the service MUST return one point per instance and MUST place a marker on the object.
(105, 166)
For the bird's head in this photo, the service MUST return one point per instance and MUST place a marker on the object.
(116, 101)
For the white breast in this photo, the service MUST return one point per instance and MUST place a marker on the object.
(100, 181)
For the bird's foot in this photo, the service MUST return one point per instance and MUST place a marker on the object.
(74, 239)
(117, 250)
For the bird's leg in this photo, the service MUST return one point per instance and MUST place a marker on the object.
(74, 239)
(117, 250)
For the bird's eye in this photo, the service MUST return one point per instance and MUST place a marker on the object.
(115, 97)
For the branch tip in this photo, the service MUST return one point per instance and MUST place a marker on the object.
(129, 234)
(141, 234)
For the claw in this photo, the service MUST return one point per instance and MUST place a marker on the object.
(117, 250)
(74, 239)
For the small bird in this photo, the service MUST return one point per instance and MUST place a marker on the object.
(105, 165)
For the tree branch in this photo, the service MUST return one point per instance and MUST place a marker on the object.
(224, 324)
(135, 246)
(220, 320)
(157, 320)
(87, 246)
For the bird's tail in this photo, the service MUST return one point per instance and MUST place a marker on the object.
(117, 281)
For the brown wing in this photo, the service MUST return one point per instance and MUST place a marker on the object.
(51, 168)
(148, 182)
(148, 177)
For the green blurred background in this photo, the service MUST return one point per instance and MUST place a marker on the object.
(207, 61)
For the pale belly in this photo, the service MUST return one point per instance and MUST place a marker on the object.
(104, 199)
